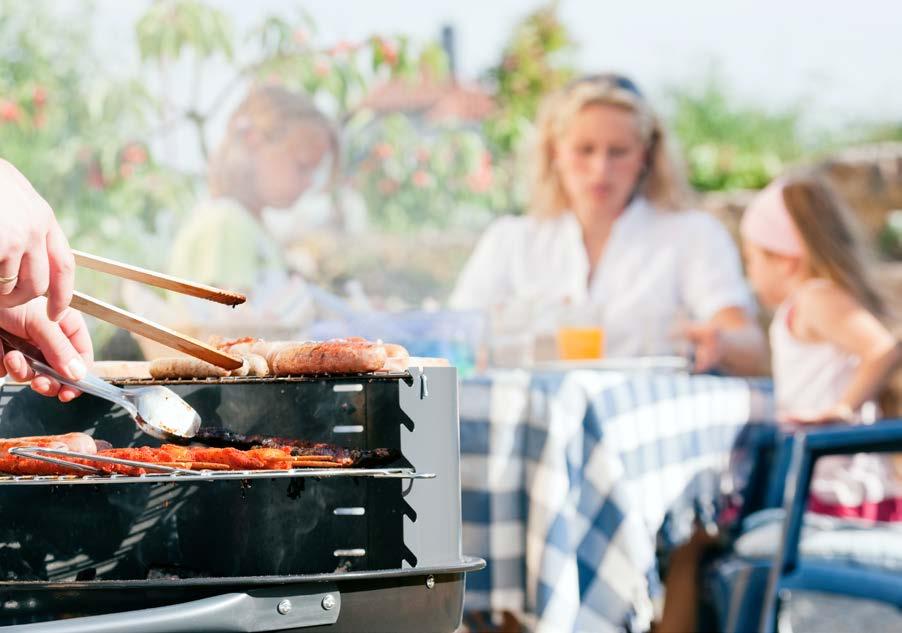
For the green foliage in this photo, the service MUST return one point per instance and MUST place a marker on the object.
(535, 61)
(342, 73)
(882, 132)
(170, 27)
(80, 137)
(413, 178)
(890, 239)
(732, 146)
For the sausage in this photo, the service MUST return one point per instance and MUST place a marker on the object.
(16, 465)
(338, 356)
(256, 347)
(350, 355)
(243, 370)
(257, 365)
(397, 358)
(78, 442)
(179, 367)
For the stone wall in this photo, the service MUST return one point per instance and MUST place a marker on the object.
(870, 178)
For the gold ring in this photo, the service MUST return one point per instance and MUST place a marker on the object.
(8, 280)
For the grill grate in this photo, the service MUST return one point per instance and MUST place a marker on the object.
(379, 375)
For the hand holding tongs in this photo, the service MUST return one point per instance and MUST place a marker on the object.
(157, 411)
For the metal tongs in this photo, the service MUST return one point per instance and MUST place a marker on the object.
(157, 410)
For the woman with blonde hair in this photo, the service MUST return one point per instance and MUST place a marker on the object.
(607, 228)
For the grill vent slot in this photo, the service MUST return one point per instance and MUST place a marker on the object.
(349, 512)
(347, 388)
(348, 428)
(348, 553)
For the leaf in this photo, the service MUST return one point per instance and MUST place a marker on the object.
(170, 27)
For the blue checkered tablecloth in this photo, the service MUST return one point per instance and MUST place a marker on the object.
(567, 479)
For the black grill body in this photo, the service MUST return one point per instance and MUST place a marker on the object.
(88, 550)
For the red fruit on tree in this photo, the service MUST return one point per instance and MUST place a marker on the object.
(39, 96)
(383, 150)
(9, 111)
(134, 153)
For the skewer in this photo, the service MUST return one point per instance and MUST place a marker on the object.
(197, 465)
(304, 462)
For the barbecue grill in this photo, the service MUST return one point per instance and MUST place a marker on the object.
(323, 549)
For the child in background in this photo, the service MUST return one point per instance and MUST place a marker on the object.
(277, 146)
(830, 352)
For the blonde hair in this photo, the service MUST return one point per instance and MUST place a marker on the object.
(662, 182)
(266, 110)
(832, 238)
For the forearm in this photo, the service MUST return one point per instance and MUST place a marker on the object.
(745, 351)
(870, 376)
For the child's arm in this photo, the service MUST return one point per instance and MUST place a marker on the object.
(827, 313)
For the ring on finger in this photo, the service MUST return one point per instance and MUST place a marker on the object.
(8, 280)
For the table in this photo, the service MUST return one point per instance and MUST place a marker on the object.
(568, 477)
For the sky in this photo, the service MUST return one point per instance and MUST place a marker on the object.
(838, 60)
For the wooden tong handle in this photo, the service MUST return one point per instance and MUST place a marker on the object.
(151, 278)
(153, 331)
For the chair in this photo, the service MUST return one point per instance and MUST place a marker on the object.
(849, 573)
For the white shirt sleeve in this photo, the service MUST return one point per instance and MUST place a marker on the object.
(711, 276)
(484, 278)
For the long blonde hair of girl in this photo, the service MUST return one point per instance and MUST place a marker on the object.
(662, 182)
(835, 249)
(266, 110)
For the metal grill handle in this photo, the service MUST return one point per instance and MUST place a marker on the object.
(258, 611)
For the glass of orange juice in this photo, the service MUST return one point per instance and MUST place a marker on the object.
(579, 335)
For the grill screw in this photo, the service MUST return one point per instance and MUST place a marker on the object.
(328, 602)
(430, 582)
(284, 607)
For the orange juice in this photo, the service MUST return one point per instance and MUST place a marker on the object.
(580, 343)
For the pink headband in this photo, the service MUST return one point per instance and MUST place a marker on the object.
(767, 223)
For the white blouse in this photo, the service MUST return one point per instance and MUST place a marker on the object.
(657, 268)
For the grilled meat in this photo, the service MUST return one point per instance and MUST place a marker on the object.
(16, 465)
(226, 450)
(363, 458)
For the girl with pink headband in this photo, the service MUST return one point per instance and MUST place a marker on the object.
(831, 353)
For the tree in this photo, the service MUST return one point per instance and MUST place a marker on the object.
(81, 136)
(534, 62)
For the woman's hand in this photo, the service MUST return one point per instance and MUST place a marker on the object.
(731, 341)
(707, 341)
(66, 345)
(35, 258)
